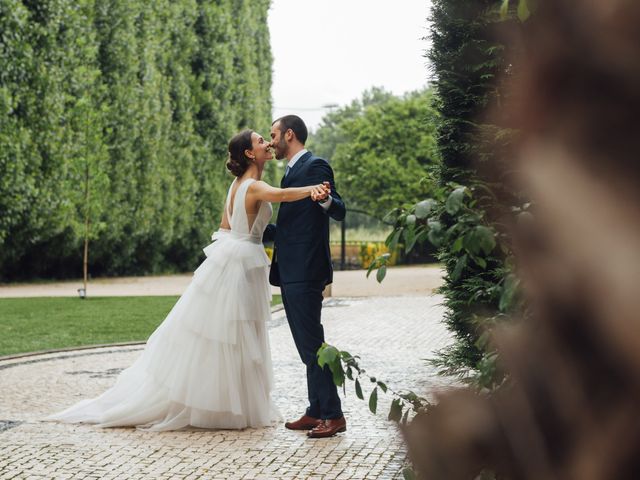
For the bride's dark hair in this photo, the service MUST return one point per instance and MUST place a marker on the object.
(238, 162)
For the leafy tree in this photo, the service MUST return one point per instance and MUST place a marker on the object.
(380, 147)
(329, 135)
(18, 185)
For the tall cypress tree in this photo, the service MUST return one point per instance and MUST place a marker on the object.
(186, 145)
(18, 187)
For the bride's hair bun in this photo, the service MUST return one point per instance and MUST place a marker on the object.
(238, 162)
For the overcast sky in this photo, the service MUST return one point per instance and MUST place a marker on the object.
(330, 51)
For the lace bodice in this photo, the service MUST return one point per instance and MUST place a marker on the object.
(239, 220)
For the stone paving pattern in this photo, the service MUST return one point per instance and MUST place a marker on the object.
(391, 334)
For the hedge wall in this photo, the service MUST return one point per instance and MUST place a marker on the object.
(140, 96)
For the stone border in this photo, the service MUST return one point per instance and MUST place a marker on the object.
(18, 356)
(46, 358)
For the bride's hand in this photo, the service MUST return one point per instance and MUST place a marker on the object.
(319, 192)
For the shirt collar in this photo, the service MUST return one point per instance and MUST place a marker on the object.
(296, 157)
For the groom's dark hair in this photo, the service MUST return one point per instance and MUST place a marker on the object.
(294, 123)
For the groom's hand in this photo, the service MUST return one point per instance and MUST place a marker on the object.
(327, 188)
(318, 194)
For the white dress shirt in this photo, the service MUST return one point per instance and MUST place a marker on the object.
(296, 157)
(293, 161)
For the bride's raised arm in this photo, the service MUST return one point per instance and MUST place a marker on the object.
(263, 191)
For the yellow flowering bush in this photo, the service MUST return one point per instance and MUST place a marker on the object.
(369, 251)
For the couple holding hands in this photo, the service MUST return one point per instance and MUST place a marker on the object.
(208, 364)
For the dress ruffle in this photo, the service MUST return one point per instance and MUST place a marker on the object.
(208, 364)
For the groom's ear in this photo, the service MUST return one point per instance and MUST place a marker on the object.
(289, 135)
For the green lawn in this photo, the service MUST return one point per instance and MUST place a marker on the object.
(33, 324)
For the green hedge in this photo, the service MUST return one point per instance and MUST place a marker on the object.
(470, 66)
(142, 96)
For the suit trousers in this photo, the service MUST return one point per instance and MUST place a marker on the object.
(303, 305)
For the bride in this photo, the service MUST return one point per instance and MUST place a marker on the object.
(208, 364)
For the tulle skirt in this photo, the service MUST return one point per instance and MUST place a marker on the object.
(208, 364)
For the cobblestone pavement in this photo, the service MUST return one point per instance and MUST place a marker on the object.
(391, 334)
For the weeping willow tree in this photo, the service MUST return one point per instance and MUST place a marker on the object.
(132, 102)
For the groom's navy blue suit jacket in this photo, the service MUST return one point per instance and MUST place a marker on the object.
(301, 234)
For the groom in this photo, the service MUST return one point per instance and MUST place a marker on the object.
(302, 268)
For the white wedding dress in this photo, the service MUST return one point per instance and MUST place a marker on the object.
(208, 364)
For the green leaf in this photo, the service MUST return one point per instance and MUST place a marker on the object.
(346, 356)
(392, 240)
(423, 208)
(410, 396)
(523, 10)
(457, 270)
(421, 234)
(454, 201)
(486, 238)
(319, 354)
(349, 373)
(382, 272)
(373, 400)
(457, 245)
(509, 290)
(337, 372)
(390, 216)
(379, 262)
(435, 233)
(408, 474)
(395, 412)
(434, 225)
(480, 239)
(411, 219)
(327, 355)
(410, 239)
(481, 262)
(359, 390)
(373, 266)
(504, 9)
(383, 386)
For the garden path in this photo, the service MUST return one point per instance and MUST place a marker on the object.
(406, 280)
(393, 335)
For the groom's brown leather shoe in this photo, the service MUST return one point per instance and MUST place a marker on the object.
(303, 423)
(328, 428)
